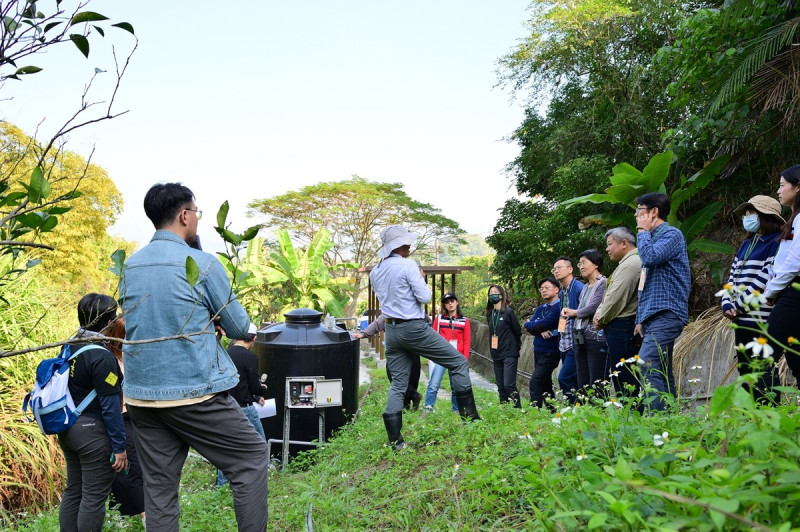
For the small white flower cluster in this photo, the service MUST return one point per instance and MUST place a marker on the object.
(560, 414)
(759, 346)
(635, 359)
(612, 401)
(660, 439)
(754, 299)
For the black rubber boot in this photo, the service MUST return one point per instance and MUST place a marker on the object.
(466, 405)
(393, 423)
(416, 397)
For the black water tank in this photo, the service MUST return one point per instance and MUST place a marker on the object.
(304, 347)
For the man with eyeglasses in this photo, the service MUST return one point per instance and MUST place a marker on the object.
(663, 292)
(176, 390)
(570, 298)
(542, 325)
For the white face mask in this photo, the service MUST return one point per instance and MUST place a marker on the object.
(750, 223)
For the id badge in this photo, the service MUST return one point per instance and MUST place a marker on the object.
(562, 325)
(494, 342)
(454, 343)
(642, 277)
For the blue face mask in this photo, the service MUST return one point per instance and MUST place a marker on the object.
(494, 298)
(750, 223)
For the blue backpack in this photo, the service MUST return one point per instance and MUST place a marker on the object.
(50, 401)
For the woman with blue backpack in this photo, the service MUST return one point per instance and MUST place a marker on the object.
(94, 446)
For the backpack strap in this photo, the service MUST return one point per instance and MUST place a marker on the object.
(89, 398)
(85, 348)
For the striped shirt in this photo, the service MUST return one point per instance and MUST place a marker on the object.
(750, 269)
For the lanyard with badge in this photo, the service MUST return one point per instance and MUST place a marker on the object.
(453, 340)
(495, 323)
(750, 248)
(643, 275)
(562, 321)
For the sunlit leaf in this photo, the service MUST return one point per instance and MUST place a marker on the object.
(118, 262)
(222, 214)
(192, 271)
(86, 16)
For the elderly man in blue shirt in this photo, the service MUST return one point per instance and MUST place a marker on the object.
(663, 292)
(402, 292)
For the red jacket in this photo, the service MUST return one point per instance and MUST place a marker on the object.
(454, 329)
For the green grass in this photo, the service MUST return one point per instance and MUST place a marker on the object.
(727, 466)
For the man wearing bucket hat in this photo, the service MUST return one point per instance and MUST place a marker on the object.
(402, 292)
(761, 217)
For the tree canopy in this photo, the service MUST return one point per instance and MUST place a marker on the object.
(354, 211)
(619, 81)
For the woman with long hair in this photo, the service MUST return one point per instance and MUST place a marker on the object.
(98, 434)
(761, 218)
(505, 339)
(783, 323)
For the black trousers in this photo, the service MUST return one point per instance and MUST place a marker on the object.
(505, 375)
(127, 490)
(784, 322)
(542, 378)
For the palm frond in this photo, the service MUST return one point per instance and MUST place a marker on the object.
(756, 54)
(777, 85)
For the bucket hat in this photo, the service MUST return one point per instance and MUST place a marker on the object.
(393, 237)
(763, 204)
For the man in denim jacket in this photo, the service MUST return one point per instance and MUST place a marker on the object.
(176, 389)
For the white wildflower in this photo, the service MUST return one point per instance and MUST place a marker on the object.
(760, 347)
(660, 439)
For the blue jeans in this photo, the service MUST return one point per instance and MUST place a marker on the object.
(660, 332)
(434, 382)
(619, 333)
(568, 376)
(251, 414)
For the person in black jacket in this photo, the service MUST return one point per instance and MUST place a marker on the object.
(505, 339)
(249, 389)
(543, 325)
(94, 447)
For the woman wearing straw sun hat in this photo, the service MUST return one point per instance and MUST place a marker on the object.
(761, 217)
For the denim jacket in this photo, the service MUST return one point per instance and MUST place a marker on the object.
(158, 301)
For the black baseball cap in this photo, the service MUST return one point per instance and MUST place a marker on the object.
(448, 296)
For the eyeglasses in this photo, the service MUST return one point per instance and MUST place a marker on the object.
(556, 268)
(197, 212)
(639, 210)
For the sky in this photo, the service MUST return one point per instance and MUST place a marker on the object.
(253, 99)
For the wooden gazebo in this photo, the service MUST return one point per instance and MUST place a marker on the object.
(442, 279)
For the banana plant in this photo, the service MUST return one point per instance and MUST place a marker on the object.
(305, 272)
(627, 183)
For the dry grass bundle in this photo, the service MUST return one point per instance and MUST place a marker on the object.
(708, 342)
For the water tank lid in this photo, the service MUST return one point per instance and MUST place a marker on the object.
(303, 315)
